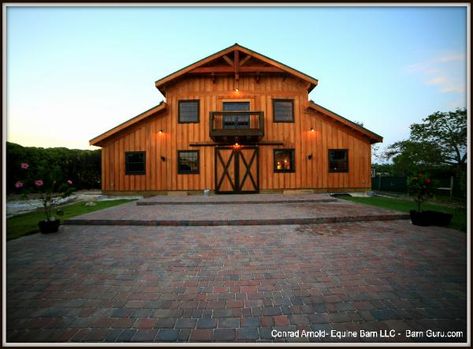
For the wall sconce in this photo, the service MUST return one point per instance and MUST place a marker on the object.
(163, 158)
(236, 146)
(236, 89)
(309, 157)
(161, 132)
(312, 130)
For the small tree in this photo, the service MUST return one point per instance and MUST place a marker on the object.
(50, 188)
(421, 188)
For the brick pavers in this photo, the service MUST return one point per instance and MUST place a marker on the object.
(303, 209)
(228, 283)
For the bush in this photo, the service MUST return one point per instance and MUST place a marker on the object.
(80, 166)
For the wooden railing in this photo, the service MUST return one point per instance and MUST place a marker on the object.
(228, 124)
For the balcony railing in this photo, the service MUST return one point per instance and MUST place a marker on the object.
(240, 125)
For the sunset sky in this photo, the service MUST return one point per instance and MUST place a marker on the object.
(75, 72)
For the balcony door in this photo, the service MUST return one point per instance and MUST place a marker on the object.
(235, 120)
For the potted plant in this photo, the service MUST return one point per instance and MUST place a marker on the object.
(50, 191)
(421, 188)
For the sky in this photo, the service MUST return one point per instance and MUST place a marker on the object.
(76, 72)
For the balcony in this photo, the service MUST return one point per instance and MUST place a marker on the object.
(236, 126)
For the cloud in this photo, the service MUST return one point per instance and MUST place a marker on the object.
(444, 71)
(446, 84)
(451, 57)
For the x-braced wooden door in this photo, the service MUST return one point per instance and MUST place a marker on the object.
(236, 170)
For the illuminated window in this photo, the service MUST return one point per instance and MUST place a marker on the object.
(338, 160)
(187, 161)
(284, 160)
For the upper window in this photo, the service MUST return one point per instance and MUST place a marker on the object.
(135, 163)
(187, 161)
(337, 160)
(234, 119)
(283, 110)
(189, 111)
(284, 160)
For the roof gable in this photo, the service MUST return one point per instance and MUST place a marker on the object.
(235, 60)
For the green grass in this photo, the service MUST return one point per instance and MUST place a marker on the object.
(459, 213)
(27, 223)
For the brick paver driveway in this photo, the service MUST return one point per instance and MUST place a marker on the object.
(230, 283)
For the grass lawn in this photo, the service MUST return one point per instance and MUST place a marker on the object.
(27, 223)
(459, 213)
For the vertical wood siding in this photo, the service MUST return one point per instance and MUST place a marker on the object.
(161, 148)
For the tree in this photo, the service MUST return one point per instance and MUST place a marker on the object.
(440, 140)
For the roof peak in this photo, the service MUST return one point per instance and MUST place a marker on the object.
(276, 66)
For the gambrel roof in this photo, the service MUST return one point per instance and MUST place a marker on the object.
(235, 59)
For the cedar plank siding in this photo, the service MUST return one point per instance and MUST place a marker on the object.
(161, 148)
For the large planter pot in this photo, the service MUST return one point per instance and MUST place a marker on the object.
(420, 218)
(440, 218)
(47, 227)
(426, 218)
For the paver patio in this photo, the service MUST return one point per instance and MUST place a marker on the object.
(235, 283)
(246, 209)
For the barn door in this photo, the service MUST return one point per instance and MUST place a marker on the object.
(236, 170)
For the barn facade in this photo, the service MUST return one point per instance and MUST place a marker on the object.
(236, 122)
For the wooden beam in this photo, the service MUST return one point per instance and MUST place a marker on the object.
(206, 70)
(237, 64)
(245, 60)
(213, 144)
(228, 60)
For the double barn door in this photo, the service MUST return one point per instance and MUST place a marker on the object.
(236, 170)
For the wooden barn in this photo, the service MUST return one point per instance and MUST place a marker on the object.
(236, 122)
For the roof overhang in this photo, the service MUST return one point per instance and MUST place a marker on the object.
(373, 137)
(275, 66)
(97, 141)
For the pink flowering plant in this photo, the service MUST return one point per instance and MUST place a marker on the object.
(49, 189)
(420, 187)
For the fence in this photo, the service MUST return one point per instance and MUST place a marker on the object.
(451, 186)
(389, 183)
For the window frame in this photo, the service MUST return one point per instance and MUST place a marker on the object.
(133, 173)
(179, 102)
(247, 117)
(292, 157)
(198, 162)
(275, 100)
(330, 169)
